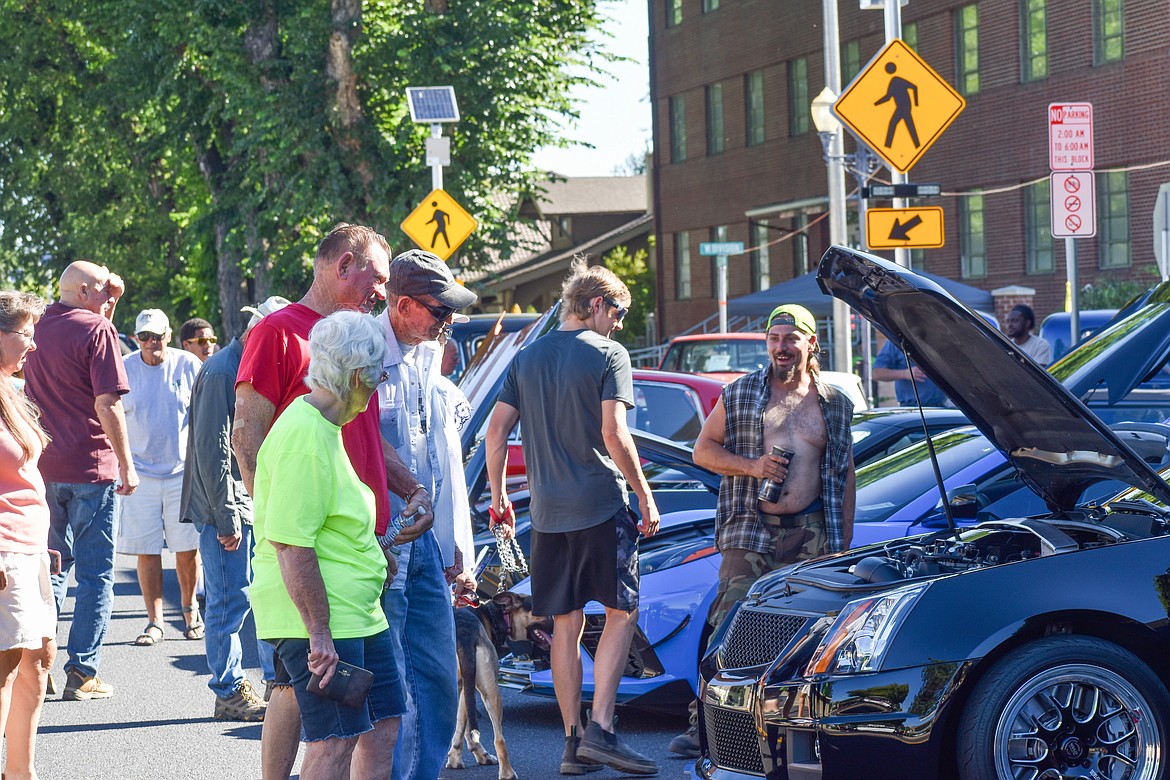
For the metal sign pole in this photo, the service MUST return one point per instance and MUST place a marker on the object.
(1074, 314)
(893, 23)
(436, 168)
(721, 290)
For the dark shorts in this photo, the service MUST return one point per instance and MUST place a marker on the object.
(323, 718)
(595, 564)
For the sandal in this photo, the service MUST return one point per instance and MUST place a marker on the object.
(194, 629)
(150, 636)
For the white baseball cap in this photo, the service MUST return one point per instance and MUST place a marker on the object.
(272, 304)
(152, 321)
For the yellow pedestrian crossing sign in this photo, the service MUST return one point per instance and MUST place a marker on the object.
(899, 105)
(439, 224)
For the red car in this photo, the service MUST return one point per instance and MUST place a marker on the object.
(667, 404)
(723, 356)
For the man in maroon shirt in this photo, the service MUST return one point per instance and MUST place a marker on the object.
(349, 272)
(78, 380)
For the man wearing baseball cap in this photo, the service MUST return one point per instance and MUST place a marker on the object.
(416, 410)
(783, 406)
(216, 501)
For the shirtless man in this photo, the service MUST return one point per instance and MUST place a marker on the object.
(783, 404)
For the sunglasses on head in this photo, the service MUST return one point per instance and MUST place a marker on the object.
(622, 311)
(150, 337)
(440, 313)
(203, 340)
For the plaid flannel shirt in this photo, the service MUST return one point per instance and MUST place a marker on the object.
(737, 522)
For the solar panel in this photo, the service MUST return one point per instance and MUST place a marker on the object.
(432, 104)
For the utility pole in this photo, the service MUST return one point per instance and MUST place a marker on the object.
(835, 161)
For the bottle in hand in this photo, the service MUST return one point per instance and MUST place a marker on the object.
(770, 490)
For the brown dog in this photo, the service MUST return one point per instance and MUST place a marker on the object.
(481, 634)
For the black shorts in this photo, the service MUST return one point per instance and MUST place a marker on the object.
(595, 564)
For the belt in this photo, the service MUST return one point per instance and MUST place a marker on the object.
(794, 521)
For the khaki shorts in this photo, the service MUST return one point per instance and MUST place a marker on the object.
(151, 514)
(28, 611)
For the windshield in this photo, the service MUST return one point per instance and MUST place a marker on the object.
(717, 356)
(667, 410)
(887, 485)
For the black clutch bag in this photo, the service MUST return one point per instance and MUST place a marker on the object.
(349, 685)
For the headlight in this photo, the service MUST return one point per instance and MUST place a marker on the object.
(859, 637)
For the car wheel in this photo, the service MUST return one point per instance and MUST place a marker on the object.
(1066, 707)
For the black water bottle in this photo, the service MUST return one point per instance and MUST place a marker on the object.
(770, 490)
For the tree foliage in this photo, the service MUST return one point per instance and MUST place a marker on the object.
(636, 272)
(200, 148)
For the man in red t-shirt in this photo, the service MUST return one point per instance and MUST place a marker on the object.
(349, 272)
(77, 378)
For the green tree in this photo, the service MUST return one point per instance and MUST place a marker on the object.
(636, 272)
(200, 149)
(1115, 293)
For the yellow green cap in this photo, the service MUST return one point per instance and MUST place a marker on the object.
(792, 314)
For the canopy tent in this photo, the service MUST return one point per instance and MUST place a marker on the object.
(804, 291)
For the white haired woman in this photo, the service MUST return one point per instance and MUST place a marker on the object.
(319, 570)
(28, 612)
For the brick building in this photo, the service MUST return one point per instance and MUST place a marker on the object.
(736, 156)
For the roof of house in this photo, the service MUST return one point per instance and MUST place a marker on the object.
(589, 195)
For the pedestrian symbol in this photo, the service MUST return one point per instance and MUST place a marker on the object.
(898, 105)
(439, 225)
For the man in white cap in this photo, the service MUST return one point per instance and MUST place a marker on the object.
(216, 501)
(156, 419)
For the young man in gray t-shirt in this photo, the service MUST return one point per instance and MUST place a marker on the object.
(570, 391)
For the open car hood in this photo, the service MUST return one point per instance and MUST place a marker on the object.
(1058, 445)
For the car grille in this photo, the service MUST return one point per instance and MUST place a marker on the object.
(732, 740)
(642, 662)
(757, 637)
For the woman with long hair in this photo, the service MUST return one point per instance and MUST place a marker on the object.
(28, 613)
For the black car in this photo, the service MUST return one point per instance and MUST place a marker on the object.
(881, 432)
(468, 336)
(1017, 648)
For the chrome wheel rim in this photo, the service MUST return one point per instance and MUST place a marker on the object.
(1077, 721)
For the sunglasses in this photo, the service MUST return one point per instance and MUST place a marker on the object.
(440, 313)
(203, 340)
(622, 311)
(145, 337)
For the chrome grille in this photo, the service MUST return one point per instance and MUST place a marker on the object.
(757, 637)
(731, 738)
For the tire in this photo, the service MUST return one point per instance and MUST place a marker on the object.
(1077, 707)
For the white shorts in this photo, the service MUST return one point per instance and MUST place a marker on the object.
(28, 611)
(150, 514)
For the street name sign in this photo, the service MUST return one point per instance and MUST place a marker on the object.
(720, 248)
(901, 190)
(1070, 137)
(917, 228)
(898, 105)
(439, 224)
(1074, 204)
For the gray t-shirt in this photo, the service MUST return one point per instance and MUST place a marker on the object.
(157, 411)
(558, 384)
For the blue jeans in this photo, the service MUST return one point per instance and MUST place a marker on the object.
(423, 626)
(226, 576)
(83, 527)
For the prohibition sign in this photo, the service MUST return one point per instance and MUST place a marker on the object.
(1072, 203)
(1072, 222)
(1072, 184)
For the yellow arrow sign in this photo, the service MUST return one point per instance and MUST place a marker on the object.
(439, 225)
(920, 228)
(899, 106)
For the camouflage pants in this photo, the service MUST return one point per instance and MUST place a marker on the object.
(741, 568)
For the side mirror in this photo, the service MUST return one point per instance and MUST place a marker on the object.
(964, 502)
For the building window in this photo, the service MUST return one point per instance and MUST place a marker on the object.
(710, 5)
(1035, 40)
(910, 35)
(918, 260)
(1113, 219)
(673, 12)
(798, 101)
(1038, 228)
(761, 258)
(1108, 31)
(850, 61)
(972, 249)
(714, 119)
(682, 265)
(754, 105)
(678, 128)
(967, 48)
(717, 234)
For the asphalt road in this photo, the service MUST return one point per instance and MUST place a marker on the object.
(159, 722)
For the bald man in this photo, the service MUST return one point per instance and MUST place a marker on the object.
(78, 380)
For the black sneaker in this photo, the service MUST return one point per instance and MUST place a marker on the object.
(687, 743)
(605, 747)
(570, 764)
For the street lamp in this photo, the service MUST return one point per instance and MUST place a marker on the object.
(863, 164)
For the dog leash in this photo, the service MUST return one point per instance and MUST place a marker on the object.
(511, 556)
